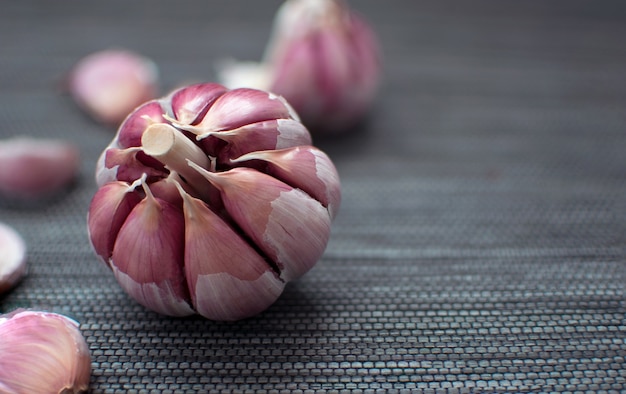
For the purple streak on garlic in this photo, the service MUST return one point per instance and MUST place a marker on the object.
(322, 57)
(34, 168)
(12, 258)
(225, 215)
(109, 84)
(42, 352)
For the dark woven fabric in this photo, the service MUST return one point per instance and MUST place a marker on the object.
(481, 242)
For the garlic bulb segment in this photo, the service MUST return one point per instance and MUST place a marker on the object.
(147, 257)
(210, 201)
(42, 352)
(306, 168)
(287, 224)
(228, 279)
(33, 168)
(109, 84)
(12, 257)
(323, 58)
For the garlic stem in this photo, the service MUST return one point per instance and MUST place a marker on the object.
(168, 145)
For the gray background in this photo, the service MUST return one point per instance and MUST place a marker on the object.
(480, 245)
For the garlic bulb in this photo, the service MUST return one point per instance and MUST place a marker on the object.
(322, 57)
(108, 84)
(35, 167)
(210, 201)
(12, 257)
(42, 352)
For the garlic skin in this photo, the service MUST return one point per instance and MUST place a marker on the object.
(32, 168)
(210, 201)
(42, 352)
(108, 84)
(12, 258)
(323, 58)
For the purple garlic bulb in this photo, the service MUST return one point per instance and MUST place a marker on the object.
(210, 200)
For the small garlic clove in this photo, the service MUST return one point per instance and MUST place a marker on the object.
(108, 210)
(303, 167)
(190, 104)
(12, 258)
(228, 279)
(289, 226)
(131, 163)
(32, 168)
(147, 257)
(42, 352)
(109, 84)
(131, 130)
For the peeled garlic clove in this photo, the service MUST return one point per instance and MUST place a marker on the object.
(33, 168)
(323, 58)
(147, 257)
(288, 225)
(12, 258)
(42, 352)
(303, 167)
(228, 279)
(109, 84)
(108, 211)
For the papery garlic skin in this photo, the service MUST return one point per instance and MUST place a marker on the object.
(108, 84)
(211, 200)
(12, 258)
(323, 58)
(32, 168)
(42, 352)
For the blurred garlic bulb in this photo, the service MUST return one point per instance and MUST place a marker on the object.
(108, 84)
(35, 167)
(210, 201)
(42, 352)
(322, 57)
(12, 257)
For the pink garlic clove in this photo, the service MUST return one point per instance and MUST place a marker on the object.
(33, 168)
(147, 257)
(109, 208)
(288, 225)
(42, 352)
(228, 279)
(190, 104)
(109, 84)
(131, 163)
(12, 258)
(130, 132)
(303, 167)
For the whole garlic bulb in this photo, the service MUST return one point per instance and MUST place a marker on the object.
(323, 58)
(42, 352)
(211, 200)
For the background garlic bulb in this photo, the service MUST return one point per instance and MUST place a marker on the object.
(323, 58)
(210, 200)
(42, 352)
(12, 257)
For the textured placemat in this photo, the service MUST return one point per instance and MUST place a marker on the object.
(481, 243)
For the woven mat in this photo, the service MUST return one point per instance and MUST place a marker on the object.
(481, 242)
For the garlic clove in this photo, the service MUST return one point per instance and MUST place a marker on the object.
(228, 279)
(190, 104)
(131, 163)
(131, 130)
(109, 84)
(12, 258)
(147, 257)
(42, 352)
(33, 168)
(108, 210)
(289, 226)
(303, 167)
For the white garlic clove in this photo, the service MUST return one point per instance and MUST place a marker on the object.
(190, 104)
(303, 167)
(42, 352)
(147, 257)
(228, 279)
(32, 168)
(289, 226)
(109, 208)
(12, 258)
(109, 84)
